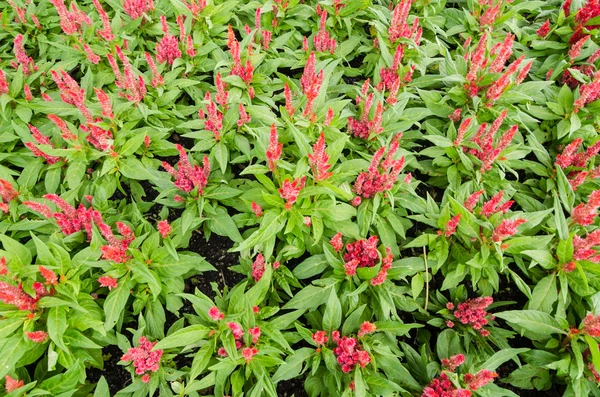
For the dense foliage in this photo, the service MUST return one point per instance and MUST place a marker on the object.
(410, 189)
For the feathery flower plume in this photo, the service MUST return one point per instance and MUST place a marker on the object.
(273, 152)
(472, 312)
(215, 314)
(167, 50)
(584, 214)
(381, 175)
(591, 326)
(70, 21)
(37, 336)
(451, 225)
(399, 26)
(322, 41)
(244, 117)
(506, 228)
(257, 209)
(290, 190)
(366, 328)
(214, 121)
(543, 30)
(480, 379)
(188, 177)
(462, 130)
(258, 267)
(336, 242)
(311, 84)
(588, 93)
(145, 360)
(289, 106)
(222, 93)
(106, 32)
(157, 79)
(164, 228)
(104, 103)
(453, 362)
(493, 205)
(3, 83)
(137, 8)
(21, 56)
(320, 338)
(319, 160)
(349, 353)
(12, 384)
(442, 386)
(107, 281)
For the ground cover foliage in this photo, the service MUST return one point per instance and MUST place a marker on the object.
(310, 198)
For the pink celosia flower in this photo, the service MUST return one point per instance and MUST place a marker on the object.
(583, 247)
(576, 48)
(106, 32)
(453, 362)
(3, 267)
(366, 328)
(462, 130)
(355, 202)
(244, 117)
(451, 225)
(289, 106)
(164, 228)
(290, 190)
(323, 42)
(455, 116)
(249, 352)
(442, 386)
(15, 296)
(167, 50)
(37, 336)
(480, 379)
(116, 250)
(328, 117)
(257, 209)
(222, 93)
(523, 73)
(137, 8)
(70, 21)
(12, 384)
(273, 152)
(144, 358)
(236, 330)
(567, 157)
(506, 228)
(493, 205)
(349, 353)
(91, 56)
(591, 326)
(157, 79)
(489, 16)
(381, 175)
(48, 275)
(386, 264)
(7, 194)
(21, 56)
(319, 160)
(255, 333)
(584, 214)
(62, 125)
(3, 83)
(222, 352)
(588, 92)
(27, 92)
(336, 242)
(364, 251)
(307, 221)
(320, 338)
(258, 267)
(71, 92)
(311, 84)
(364, 127)
(472, 312)
(544, 29)
(399, 27)
(188, 177)
(107, 281)
(503, 53)
(215, 313)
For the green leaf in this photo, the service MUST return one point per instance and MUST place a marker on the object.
(537, 322)
(57, 325)
(395, 327)
(133, 168)
(293, 364)
(332, 317)
(183, 337)
(309, 297)
(12, 350)
(221, 154)
(102, 389)
(544, 294)
(501, 357)
(115, 303)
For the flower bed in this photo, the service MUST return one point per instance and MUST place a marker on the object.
(283, 198)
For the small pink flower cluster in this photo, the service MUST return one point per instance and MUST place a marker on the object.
(144, 358)
(399, 27)
(214, 121)
(15, 296)
(106, 32)
(570, 157)
(311, 85)
(273, 152)
(3, 83)
(591, 325)
(21, 57)
(453, 362)
(290, 190)
(41, 139)
(366, 328)
(484, 138)
(480, 379)
(7, 194)
(70, 22)
(164, 228)
(195, 6)
(48, 275)
(135, 87)
(215, 314)
(364, 253)
(364, 127)
(238, 334)
(137, 8)
(488, 17)
(167, 50)
(188, 177)
(116, 250)
(107, 281)
(584, 214)
(443, 387)
(583, 247)
(37, 336)
(506, 228)
(12, 384)
(323, 42)
(493, 205)
(588, 92)
(382, 173)
(349, 353)
(246, 72)
(473, 313)
(71, 219)
(258, 267)
(318, 160)
(451, 225)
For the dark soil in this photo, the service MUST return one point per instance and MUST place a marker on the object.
(117, 376)
(292, 388)
(215, 251)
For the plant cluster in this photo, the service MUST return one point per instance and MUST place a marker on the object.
(408, 189)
